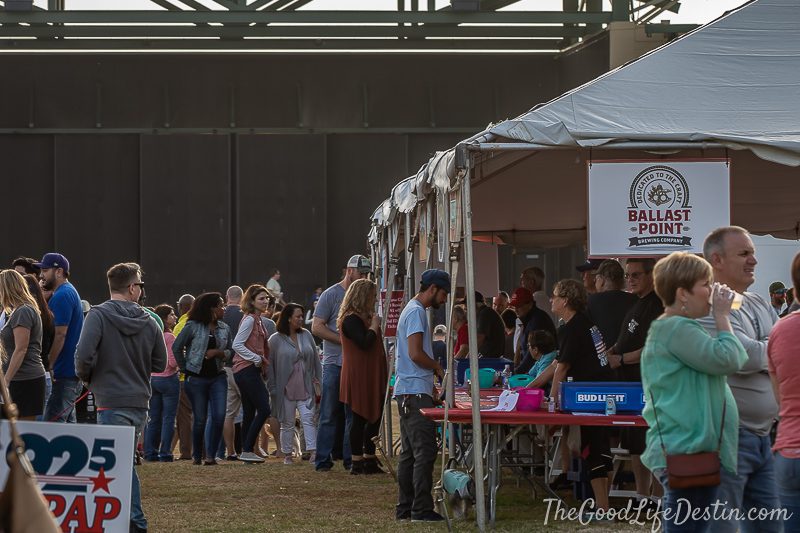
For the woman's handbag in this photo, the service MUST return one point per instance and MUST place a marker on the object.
(692, 470)
(22, 507)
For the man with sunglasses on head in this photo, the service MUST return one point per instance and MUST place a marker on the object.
(777, 296)
(120, 346)
(626, 354)
(333, 430)
(65, 303)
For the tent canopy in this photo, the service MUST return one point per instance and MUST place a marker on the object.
(733, 83)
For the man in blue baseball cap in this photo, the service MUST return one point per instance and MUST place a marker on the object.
(65, 303)
(413, 390)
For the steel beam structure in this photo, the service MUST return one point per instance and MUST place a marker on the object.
(282, 25)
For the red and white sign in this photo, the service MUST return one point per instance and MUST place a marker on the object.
(395, 308)
(84, 471)
(646, 208)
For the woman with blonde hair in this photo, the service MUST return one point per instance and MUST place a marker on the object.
(689, 407)
(21, 337)
(582, 357)
(364, 372)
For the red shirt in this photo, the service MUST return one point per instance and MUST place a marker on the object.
(462, 338)
(783, 351)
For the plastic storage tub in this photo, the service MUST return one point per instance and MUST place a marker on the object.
(589, 396)
(529, 399)
(485, 377)
(519, 380)
(495, 363)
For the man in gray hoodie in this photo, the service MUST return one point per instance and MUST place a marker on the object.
(120, 346)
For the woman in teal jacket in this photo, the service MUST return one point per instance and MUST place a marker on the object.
(201, 349)
(684, 375)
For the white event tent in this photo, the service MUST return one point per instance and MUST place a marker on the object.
(730, 89)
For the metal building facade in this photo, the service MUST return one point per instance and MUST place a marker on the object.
(211, 169)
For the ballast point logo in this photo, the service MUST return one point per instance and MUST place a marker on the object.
(659, 209)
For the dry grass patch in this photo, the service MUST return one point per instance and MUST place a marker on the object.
(239, 497)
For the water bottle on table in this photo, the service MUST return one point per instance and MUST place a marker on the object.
(505, 374)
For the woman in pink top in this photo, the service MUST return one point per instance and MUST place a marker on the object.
(783, 351)
(164, 401)
(250, 368)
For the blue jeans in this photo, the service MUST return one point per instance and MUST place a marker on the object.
(48, 388)
(752, 487)
(208, 397)
(333, 432)
(255, 404)
(61, 404)
(136, 418)
(788, 474)
(678, 505)
(161, 418)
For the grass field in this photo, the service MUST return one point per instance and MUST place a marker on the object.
(238, 497)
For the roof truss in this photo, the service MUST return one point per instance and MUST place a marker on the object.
(283, 25)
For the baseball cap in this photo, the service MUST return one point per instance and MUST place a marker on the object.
(521, 296)
(53, 260)
(777, 287)
(361, 263)
(590, 264)
(438, 278)
(441, 329)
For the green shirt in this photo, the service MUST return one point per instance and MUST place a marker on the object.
(685, 370)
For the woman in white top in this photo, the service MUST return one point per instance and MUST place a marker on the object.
(293, 370)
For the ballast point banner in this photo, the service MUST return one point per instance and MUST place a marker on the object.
(655, 207)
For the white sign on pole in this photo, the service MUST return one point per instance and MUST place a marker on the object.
(84, 471)
(644, 208)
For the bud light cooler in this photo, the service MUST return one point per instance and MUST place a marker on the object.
(590, 396)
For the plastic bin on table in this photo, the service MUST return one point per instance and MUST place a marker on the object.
(496, 363)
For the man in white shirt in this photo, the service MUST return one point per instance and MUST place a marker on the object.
(275, 287)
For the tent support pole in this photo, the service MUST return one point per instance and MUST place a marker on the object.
(477, 437)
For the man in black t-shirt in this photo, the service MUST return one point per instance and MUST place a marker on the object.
(627, 351)
(609, 305)
(532, 318)
(626, 354)
(491, 331)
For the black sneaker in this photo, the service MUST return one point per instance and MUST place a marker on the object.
(430, 516)
(357, 468)
(373, 466)
(402, 515)
(324, 468)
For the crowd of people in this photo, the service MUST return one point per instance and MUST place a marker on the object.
(717, 365)
(221, 375)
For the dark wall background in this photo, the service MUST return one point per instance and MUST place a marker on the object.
(212, 169)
